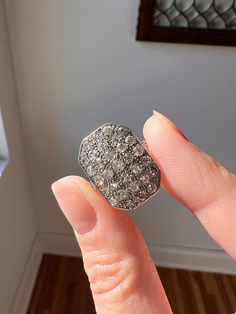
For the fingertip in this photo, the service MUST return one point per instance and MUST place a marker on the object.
(68, 181)
(59, 186)
(160, 124)
(155, 125)
(75, 206)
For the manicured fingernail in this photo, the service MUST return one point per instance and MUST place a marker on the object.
(74, 205)
(160, 116)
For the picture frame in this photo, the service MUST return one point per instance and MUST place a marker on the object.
(149, 28)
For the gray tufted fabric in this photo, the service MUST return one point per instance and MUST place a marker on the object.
(206, 14)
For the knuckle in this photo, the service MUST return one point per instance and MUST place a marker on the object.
(112, 275)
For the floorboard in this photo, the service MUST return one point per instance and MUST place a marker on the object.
(62, 287)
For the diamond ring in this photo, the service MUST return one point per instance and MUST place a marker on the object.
(119, 166)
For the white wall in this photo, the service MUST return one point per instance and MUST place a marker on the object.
(78, 65)
(17, 222)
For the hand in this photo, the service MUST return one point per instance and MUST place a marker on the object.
(122, 276)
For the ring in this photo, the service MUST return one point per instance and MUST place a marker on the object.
(119, 166)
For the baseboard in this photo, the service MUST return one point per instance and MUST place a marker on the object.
(199, 259)
(26, 285)
(163, 255)
(59, 244)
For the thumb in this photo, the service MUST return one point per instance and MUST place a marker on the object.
(122, 276)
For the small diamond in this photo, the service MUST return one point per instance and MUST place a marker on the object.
(99, 136)
(152, 188)
(134, 186)
(114, 142)
(141, 196)
(120, 137)
(98, 160)
(109, 155)
(101, 146)
(100, 167)
(112, 201)
(107, 130)
(146, 159)
(118, 165)
(84, 159)
(126, 178)
(121, 147)
(83, 149)
(154, 172)
(130, 140)
(100, 181)
(145, 178)
(93, 137)
(106, 191)
(88, 145)
(129, 204)
(128, 157)
(123, 130)
(123, 195)
(114, 185)
(136, 168)
(93, 155)
(138, 150)
(108, 174)
(91, 170)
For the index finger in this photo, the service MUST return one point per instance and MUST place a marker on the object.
(195, 179)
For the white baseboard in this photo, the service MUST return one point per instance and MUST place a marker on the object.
(163, 255)
(199, 259)
(26, 285)
(59, 244)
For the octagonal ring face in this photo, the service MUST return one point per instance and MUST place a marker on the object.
(119, 166)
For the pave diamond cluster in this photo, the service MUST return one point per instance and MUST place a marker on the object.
(119, 166)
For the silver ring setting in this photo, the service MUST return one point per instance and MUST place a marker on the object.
(119, 166)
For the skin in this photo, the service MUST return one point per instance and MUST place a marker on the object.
(122, 276)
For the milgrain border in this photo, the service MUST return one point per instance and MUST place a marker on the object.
(181, 257)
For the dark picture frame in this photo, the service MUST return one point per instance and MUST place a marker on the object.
(147, 31)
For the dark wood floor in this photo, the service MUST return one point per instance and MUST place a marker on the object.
(62, 288)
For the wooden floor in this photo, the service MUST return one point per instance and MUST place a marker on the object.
(62, 288)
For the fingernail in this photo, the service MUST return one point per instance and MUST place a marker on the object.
(160, 116)
(74, 205)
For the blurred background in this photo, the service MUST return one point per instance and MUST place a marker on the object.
(67, 67)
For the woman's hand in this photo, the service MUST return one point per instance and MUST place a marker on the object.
(122, 276)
